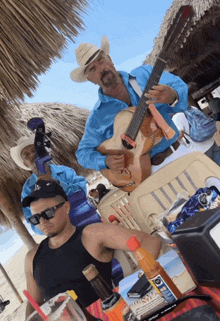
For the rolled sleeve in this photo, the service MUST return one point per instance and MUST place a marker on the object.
(180, 87)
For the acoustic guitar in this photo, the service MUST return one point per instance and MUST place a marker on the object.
(135, 132)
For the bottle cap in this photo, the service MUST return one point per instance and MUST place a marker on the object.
(112, 218)
(133, 243)
(72, 294)
(90, 272)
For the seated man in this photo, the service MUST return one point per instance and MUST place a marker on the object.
(24, 156)
(208, 147)
(102, 190)
(94, 196)
(55, 265)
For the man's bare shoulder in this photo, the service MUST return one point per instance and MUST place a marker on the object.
(102, 230)
(30, 254)
(93, 228)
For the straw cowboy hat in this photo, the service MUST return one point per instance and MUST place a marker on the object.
(15, 152)
(85, 54)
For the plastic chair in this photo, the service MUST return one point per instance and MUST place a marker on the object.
(117, 203)
(159, 191)
(82, 213)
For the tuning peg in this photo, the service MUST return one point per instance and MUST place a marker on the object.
(49, 134)
(47, 144)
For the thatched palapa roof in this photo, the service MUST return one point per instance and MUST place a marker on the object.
(66, 122)
(33, 33)
(196, 60)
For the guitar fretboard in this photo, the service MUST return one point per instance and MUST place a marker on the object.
(142, 107)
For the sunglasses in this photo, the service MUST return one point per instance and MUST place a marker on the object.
(46, 214)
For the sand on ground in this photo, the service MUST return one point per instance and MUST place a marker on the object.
(15, 269)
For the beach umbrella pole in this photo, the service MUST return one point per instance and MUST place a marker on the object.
(18, 226)
(10, 283)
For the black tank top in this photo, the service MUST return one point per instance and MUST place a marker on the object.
(58, 270)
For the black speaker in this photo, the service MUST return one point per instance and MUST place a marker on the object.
(198, 240)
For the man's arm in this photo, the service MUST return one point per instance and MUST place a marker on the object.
(181, 89)
(86, 153)
(100, 237)
(164, 95)
(32, 287)
(69, 180)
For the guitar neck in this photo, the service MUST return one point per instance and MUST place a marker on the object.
(142, 107)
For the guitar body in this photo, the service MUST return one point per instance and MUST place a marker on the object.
(137, 160)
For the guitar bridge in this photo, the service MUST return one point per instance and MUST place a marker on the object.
(128, 142)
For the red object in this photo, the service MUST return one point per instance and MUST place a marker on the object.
(35, 305)
(129, 140)
(96, 308)
(112, 218)
(186, 12)
(133, 243)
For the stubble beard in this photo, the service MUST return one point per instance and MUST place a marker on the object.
(52, 234)
(110, 81)
(33, 167)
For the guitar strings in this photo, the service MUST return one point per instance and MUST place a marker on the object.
(142, 107)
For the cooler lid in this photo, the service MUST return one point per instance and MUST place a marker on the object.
(198, 221)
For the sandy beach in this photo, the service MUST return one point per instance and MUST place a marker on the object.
(15, 268)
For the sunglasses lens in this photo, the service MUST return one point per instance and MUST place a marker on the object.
(48, 214)
(34, 219)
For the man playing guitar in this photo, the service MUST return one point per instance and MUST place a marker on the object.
(116, 94)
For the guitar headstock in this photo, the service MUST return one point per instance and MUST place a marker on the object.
(42, 155)
(177, 30)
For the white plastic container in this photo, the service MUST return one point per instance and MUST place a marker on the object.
(60, 308)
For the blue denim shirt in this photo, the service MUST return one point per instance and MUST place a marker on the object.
(68, 179)
(99, 126)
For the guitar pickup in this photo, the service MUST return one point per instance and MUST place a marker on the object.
(128, 142)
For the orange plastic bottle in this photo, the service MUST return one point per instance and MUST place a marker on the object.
(154, 272)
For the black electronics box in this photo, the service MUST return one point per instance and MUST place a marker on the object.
(198, 240)
(140, 288)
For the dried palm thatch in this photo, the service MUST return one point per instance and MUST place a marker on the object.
(197, 57)
(33, 33)
(66, 122)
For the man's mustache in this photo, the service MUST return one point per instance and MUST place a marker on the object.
(105, 73)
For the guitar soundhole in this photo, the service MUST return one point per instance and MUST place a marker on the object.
(126, 144)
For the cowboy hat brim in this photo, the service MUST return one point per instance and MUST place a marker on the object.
(78, 74)
(15, 152)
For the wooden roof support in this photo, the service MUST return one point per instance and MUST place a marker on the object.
(9, 211)
(10, 283)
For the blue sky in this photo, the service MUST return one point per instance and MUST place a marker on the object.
(130, 26)
(10, 243)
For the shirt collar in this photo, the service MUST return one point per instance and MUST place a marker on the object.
(104, 98)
